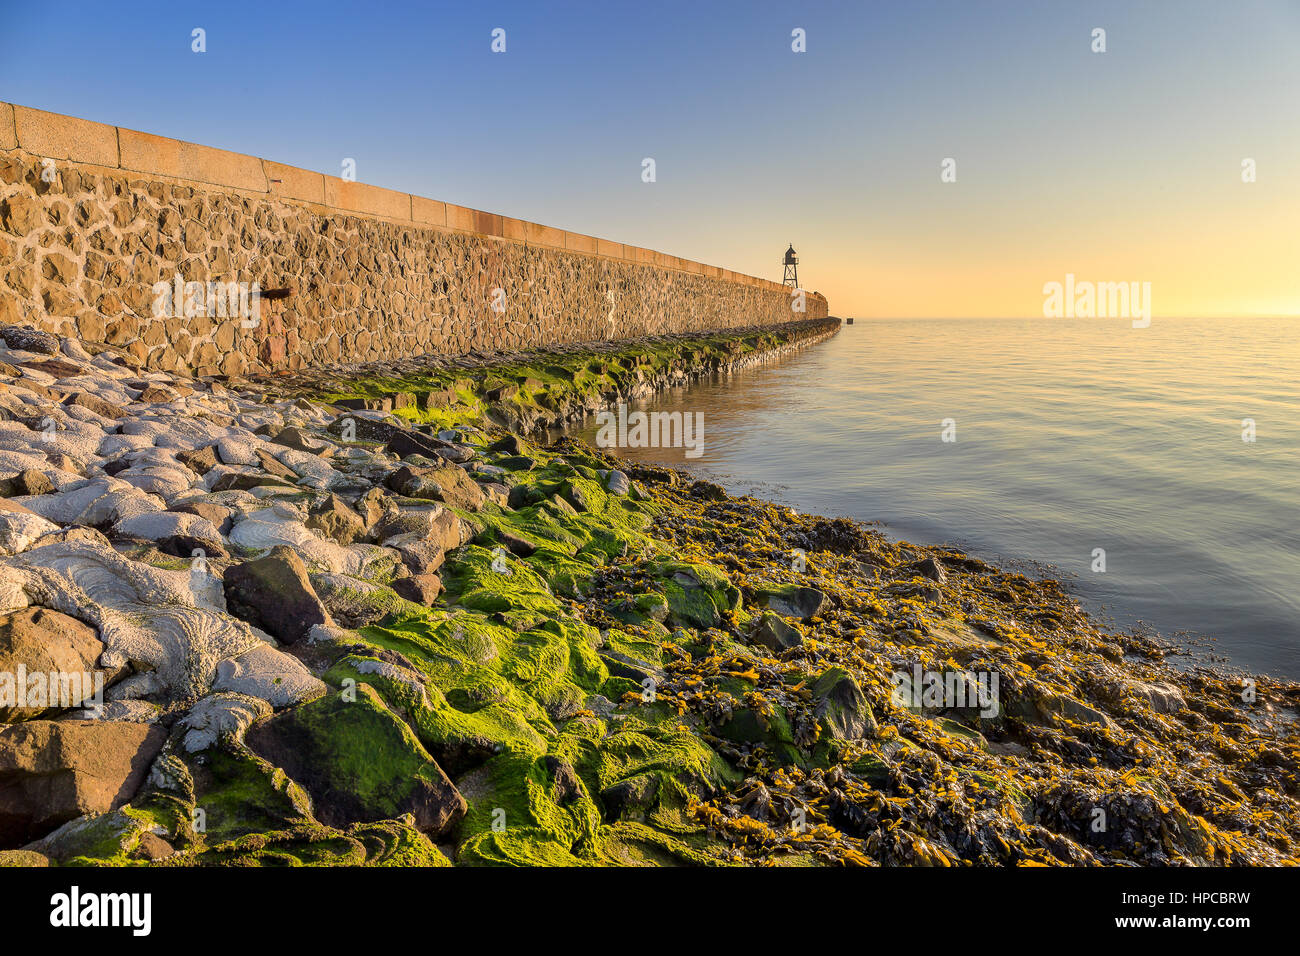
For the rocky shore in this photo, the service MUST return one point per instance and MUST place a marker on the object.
(368, 616)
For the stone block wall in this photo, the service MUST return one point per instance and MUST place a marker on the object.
(95, 220)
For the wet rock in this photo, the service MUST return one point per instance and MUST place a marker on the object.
(932, 569)
(53, 771)
(791, 601)
(359, 761)
(775, 634)
(841, 706)
(708, 491)
(1164, 698)
(275, 594)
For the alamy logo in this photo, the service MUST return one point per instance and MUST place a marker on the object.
(41, 690)
(1098, 300)
(683, 430)
(73, 909)
(233, 300)
(945, 690)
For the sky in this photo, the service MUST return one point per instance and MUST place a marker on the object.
(1116, 166)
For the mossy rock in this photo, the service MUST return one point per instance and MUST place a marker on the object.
(359, 761)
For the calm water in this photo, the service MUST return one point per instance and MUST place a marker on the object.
(1071, 435)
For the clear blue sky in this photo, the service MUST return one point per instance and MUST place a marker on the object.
(1064, 156)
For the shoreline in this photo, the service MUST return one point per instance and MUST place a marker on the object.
(417, 638)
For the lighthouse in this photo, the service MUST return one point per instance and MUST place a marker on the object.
(791, 268)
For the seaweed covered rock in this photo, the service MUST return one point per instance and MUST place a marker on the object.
(359, 761)
(842, 708)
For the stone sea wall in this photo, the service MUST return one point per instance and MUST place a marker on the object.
(99, 224)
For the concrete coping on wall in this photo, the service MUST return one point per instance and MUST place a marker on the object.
(85, 142)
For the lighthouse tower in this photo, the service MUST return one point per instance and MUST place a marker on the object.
(791, 268)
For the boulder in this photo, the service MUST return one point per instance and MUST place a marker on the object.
(29, 482)
(274, 593)
(53, 771)
(219, 515)
(299, 441)
(29, 340)
(420, 588)
(95, 404)
(791, 601)
(841, 706)
(333, 518)
(404, 443)
(45, 642)
(20, 529)
(199, 460)
(269, 675)
(617, 482)
(932, 569)
(775, 634)
(359, 761)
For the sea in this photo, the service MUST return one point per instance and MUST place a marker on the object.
(1155, 470)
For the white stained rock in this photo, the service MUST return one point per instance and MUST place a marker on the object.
(237, 451)
(13, 461)
(268, 674)
(282, 524)
(166, 481)
(18, 530)
(164, 524)
(219, 714)
(93, 503)
(150, 616)
(114, 445)
(128, 711)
